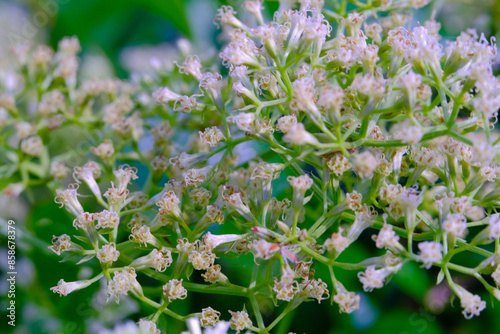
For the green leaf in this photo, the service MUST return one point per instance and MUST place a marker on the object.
(440, 277)
(86, 258)
(173, 10)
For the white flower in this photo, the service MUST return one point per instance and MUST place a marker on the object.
(59, 170)
(348, 301)
(241, 51)
(84, 221)
(494, 227)
(200, 196)
(430, 252)
(88, 173)
(107, 219)
(315, 288)
(240, 320)
(62, 244)
(364, 164)
(339, 164)
(298, 135)
(201, 259)
(337, 242)
(174, 290)
(455, 224)
(108, 253)
(211, 241)
(25, 130)
(211, 136)
(285, 290)
(285, 123)
(472, 304)
(64, 288)
(214, 274)
(195, 177)
(266, 171)
(304, 95)
(169, 204)
(159, 260)
(105, 150)
(373, 278)
(148, 327)
(191, 66)
(123, 281)
(186, 104)
(68, 198)
(410, 135)
(244, 121)
(209, 317)
(142, 235)
(165, 95)
(32, 146)
(387, 238)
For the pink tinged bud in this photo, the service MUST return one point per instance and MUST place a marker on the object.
(264, 250)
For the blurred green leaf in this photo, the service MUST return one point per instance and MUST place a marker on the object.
(412, 280)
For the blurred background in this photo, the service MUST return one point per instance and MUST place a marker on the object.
(121, 37)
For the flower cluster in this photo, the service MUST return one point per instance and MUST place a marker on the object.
(316, 137)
